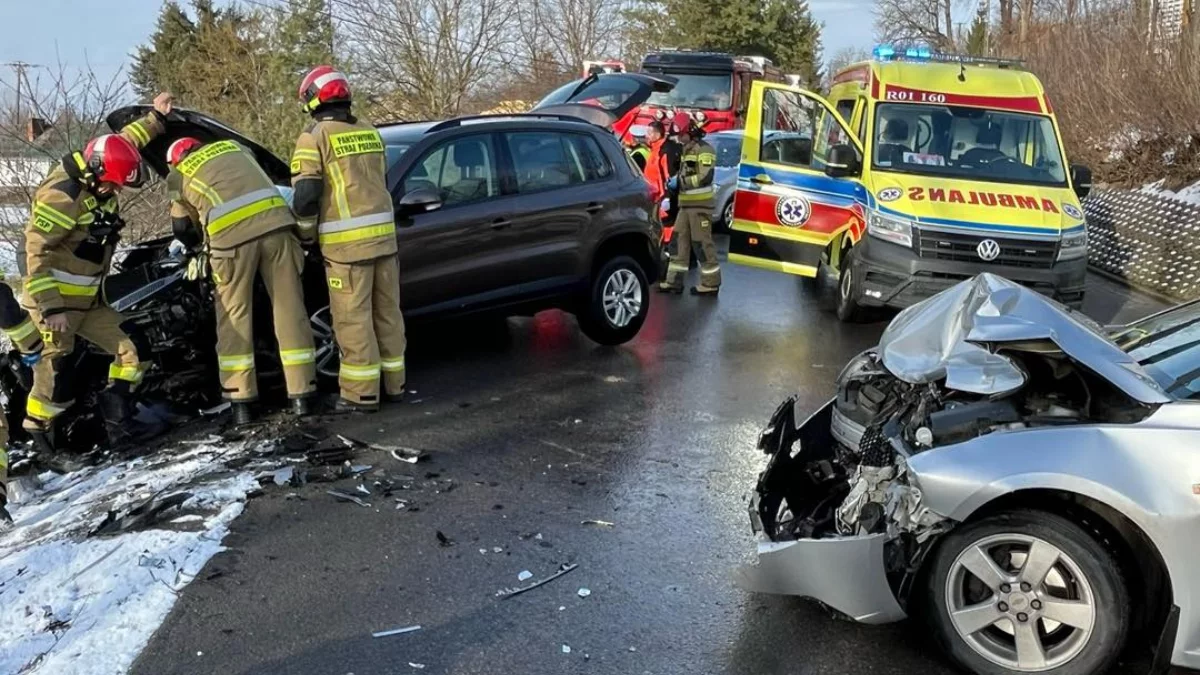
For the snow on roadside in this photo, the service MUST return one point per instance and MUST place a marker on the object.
(1188, 195)
(79, 605)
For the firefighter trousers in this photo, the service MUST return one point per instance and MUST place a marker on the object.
(51, 394)
(279, 260)
(364, 299)
(693, 229)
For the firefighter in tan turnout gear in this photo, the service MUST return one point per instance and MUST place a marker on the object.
(693, 227)
(221, 198)
(339, 174)
(73, 228)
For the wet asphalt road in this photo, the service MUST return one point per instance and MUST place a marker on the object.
(540, 429)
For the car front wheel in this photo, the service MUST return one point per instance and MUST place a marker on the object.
(849, 288)
(1027, 592)
(617, 302)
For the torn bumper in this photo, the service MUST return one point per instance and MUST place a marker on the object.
(846, 574)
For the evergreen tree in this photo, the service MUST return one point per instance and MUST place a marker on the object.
(782, 30)
(977, 37)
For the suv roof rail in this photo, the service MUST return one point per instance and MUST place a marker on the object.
(457, 121)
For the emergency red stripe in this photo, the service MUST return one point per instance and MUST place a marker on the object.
(824, 219)
(896, 93)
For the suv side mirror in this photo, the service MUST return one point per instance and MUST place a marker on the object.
(1081, 178)
(419, 200)
(842, 161)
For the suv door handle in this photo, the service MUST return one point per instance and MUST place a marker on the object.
(762, 179)
(500, 223)
(594, 207)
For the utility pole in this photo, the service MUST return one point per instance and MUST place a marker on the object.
(19, 68)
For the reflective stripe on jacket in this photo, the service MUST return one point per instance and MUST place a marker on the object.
(222, 188)
(356, 220)
(696, 174)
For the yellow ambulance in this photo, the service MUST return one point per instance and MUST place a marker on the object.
(920, 170)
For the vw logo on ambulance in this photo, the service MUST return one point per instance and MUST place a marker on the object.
(988, 250)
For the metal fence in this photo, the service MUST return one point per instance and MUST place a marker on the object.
(1152, 242)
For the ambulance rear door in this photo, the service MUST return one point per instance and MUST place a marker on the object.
(799, 184)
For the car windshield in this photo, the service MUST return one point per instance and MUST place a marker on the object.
(711, 92)
(1168, 347)
(394, 151)
(967, 143)
(729, 150)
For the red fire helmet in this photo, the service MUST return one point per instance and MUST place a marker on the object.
(112, 158)
(180, 149)
(322, 85)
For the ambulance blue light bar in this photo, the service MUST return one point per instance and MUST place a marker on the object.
(887, 52)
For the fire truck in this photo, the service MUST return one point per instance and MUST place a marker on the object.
(717, 84)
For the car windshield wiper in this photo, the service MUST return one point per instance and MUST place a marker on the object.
(1182, 382)
(1150, 338)
(587, 81)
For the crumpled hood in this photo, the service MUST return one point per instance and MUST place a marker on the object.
(953, 336)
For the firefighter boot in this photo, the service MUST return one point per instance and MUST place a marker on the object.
(394, 398)
(342, 406)
(703, 289)
(242, 414)
(120, 421)
(301, 407)
(48, 457)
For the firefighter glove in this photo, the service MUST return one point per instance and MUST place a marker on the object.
(197, 267)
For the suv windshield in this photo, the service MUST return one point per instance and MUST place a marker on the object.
(711, 92)
(1168, 347)
(967, 143)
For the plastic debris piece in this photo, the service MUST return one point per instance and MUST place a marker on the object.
(395, 631)
(361, 468)
(497, 549)
(345, 497)
(509, 592)
(562, 608)
(566, 649)
(217, 409)
(601, 523)
(363, 489)
(402, 454)
(525, 575)
(483, 551)
(418, 666)
(284, 476)
(444, 540)
(583, 592)
(538, 536)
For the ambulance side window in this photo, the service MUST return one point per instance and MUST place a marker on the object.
(788, 123)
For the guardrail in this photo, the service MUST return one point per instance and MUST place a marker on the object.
(1151, 242)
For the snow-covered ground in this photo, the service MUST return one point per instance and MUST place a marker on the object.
(74, 604)
(1189, 194)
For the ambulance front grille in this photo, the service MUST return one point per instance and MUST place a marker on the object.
(1028, 253)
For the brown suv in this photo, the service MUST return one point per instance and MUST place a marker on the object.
(508, 214)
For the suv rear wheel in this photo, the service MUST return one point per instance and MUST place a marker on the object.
(617, 302)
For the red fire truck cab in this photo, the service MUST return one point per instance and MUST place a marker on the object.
(718, 84)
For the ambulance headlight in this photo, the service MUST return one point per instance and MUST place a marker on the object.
(1073, 246)
(895, 230)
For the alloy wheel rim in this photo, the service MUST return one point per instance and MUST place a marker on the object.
(325, 342)
(622, 298)
(729, 213)
(1020, 602)
(845, 282)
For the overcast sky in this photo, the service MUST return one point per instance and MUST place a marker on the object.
(105, 33)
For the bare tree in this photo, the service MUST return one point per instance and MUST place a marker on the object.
(59, 110)
(565, 33)
(927, 21)
(424, 58)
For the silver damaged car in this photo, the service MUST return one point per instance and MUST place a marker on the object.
(1024, 480)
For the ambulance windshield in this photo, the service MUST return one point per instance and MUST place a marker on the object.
(968, 144)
